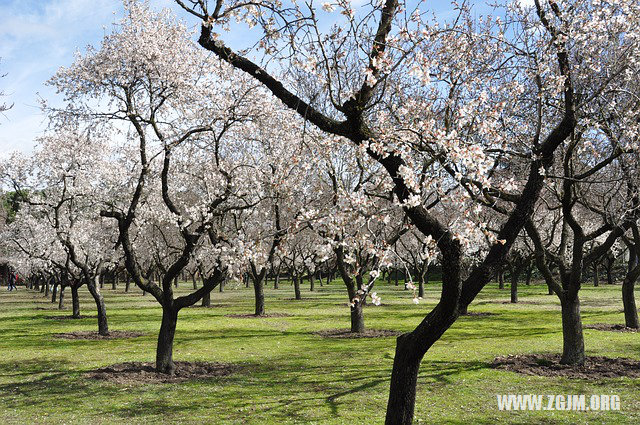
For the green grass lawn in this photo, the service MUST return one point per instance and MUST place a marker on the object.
(290, 375)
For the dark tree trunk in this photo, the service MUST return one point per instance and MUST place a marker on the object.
(175, 281)
(276, 281)
(596, 275)
(164, 351)
(514, 290)
(357, 318)
(549, 290)
(312, 282)
(222, 285)
(629, 302)
(296, 287)
(421, 285)
(206, 299)
(54, 292)
(609, 268)
(529, 273)
(572, 338)
(101, 279)
(46, 289)
(395, 276)
(463, 309)
(258, 289)
(103, 326)
(114, 284)
(61, 298)
(500, 279)
(127, 283)
(515, 277)
(410, 349)
(75, 301)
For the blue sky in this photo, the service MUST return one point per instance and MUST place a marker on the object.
(39, 36)
(36, 38)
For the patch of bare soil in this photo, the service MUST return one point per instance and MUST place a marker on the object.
(479, 314)
(145, 373)
(522, 302)
(595, 367)
(94, 335)
(610, 327)
(69, 317)
(346, 333)
(253, 316)
(210, 306)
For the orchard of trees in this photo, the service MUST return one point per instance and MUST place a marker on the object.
(359, 143)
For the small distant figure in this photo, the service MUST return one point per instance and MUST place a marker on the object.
(12, 282)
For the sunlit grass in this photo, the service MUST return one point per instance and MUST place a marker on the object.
(290, 375)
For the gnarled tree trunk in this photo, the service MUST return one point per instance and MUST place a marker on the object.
(572, 338)
(164, 351)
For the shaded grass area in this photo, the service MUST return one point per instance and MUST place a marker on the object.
(290, 375)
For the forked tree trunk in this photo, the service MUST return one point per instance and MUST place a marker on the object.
(94, 290)
(75, 301)
(357, 318)
(572, 338)
(258, 289)
(296, 287)
(164, 351)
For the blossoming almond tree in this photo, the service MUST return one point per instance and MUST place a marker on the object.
(59, 220)
(471, 94)
(182, 112)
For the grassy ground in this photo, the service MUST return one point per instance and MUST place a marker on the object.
(290, 375)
